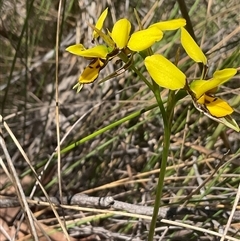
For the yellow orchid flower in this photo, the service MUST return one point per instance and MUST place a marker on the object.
(203, 89)
(117, 41)
(97, 54)
(167, 75)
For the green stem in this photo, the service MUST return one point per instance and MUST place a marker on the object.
(157, 95)
(184, 11)
(167, 120)
(167, 115)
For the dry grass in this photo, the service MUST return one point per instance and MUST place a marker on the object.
(122, 161)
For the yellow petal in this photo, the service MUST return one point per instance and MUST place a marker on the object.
(88, 75)
(91, 72)
(201, 100)
(199, 87)
(226, 120)
(120, 32)
(76, 47)
(165, 73)
(191, 48)
(219, 108)
(170, 25)
(99, 51)
(100, 21)
(144, 39)
(224, 74)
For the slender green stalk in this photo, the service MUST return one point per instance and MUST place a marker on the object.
(184, 11)
(166, 144)
(167, 120)
(167, 115)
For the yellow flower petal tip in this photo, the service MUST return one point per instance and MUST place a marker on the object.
(170, 25)
(191, 47)
(100, 22)
(225, 74)
(165, 73)
(120, 32)
(99, 51)
(144, 39)
(73, 49)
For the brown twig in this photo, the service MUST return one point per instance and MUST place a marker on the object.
(108, 202)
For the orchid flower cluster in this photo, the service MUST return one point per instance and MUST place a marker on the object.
(120, 42)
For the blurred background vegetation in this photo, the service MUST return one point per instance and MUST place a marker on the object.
(28, 105)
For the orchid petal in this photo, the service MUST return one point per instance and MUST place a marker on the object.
(199, 87)
(201, 100)
(144, 39)
(191, 48)
(219, 108)
(91, 72)
(120, 32)
(100, 21)
(75, 48)
(99, 51)
(170, 25)
(165, 73)
(224, 74)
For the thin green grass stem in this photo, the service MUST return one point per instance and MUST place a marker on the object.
(106, 128)
(25, 25)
